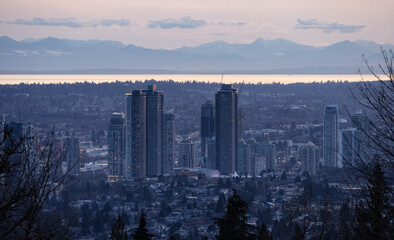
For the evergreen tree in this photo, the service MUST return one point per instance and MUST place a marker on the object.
(118, 231)
(221, 203)
(374, 214)
(264, 233)
(233, 225)
(141, 233)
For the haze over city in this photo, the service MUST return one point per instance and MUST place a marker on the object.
(196, 120)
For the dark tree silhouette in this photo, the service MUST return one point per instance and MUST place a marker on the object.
(378, 98)
(118, 231)
(221, 203)
(264, 233)
(29, 175)
(297, 219)
(141, 232)
(374, 214)
(374, 209)
(233, 225)
(345, 222)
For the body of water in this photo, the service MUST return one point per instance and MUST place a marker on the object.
(231, 78)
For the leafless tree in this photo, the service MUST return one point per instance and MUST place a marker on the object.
(378, 98)
(298, 219)
(29, 174)
(373, 203)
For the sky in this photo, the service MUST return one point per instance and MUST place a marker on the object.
(171, 24)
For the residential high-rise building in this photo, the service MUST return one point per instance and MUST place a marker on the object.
(146, 114)
(138, 134)
(15, 139)
(154, 131)
(30, 134)
(128, 136)
(350, 147)
(359, 121)
(57, 152)
(309, 158)
(116, 147)
(72, 155)
(241, 124)
(186, 154)
(330, 136)
(258, 165)
(254, 156)
(243, 158)
(168, 144)
(268, 151)
(15, 130)
(211, 156)
(361, 144)
(207, 127)
(226, 123)
(254, 145)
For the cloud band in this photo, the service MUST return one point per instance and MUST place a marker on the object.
(328, 27)
(70, 22)
(185, 22)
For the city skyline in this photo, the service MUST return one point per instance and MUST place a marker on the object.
(278, 164)
(192, 120)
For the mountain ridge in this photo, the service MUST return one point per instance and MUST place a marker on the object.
(262, 55)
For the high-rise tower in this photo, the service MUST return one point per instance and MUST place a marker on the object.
(73, 155)
(330, 136)
(116, 147)
(138, 134)
(207, 127)
(168, 144)
(349, 147)
(186, 154)
(243, 158)
(226, 115)
(128, 136)
(154, 131)
(360, 121)
(361, 143)
(352, 141)
(241, 124)
(268, 150)
(145, 110)
(309, 158)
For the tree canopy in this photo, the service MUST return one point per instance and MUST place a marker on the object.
(141, 232)
(234, 224)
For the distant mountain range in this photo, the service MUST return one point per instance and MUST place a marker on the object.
(279, 56)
